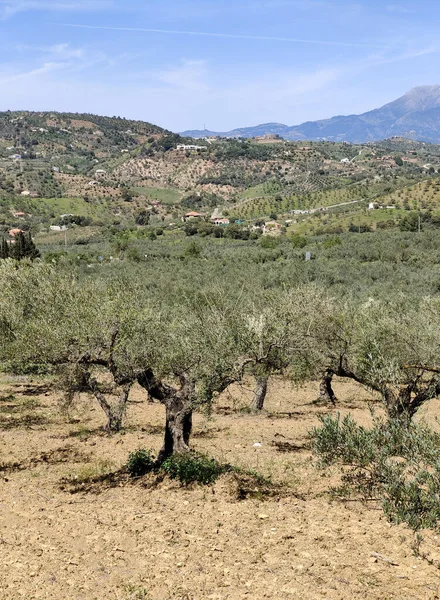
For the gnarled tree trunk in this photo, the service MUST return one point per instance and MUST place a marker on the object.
(115, 413)
(178, 406)
(178, 427)
(402, 405)
(260, 393)
(326, 393)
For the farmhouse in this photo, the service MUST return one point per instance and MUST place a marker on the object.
(192, 216)
(271, 228)
(184, 147)
(220, 221)
(14, 232)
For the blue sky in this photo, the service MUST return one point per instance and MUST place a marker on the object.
(225, 63)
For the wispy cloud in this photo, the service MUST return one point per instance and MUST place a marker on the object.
(46, 59)
(43, 70)
(389, 58)
(238, 36)
(57, 51)
(190, 75)
(314, 81)
(397, 8)
(9, 8)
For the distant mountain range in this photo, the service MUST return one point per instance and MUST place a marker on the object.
(416, 115)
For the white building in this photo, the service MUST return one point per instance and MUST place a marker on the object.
(184, 147)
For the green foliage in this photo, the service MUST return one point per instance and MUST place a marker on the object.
(140, 462)
(332, 242)
(23, 247)
(298, 241)
(193, 250)
(269, 243)
(80, 220)
(189, 468)
(409, 222)
(398, 463)
(4, 249)
(142, 217)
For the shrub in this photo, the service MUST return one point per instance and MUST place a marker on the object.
(193, 250)
(140, 462)
(269, 242)
(189, 468)
(298, 241)
(398, 463)
(331, 242)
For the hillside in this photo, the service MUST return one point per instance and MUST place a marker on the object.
(416, 115)
(112, 172)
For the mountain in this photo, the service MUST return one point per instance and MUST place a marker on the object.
(416, 115)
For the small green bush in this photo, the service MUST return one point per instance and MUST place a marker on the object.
(193, 250)
(394, 461)
(331, 242)
(298, 241)
(140, 462)
(189, 468)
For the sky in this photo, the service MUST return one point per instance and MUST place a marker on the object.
(187, 64)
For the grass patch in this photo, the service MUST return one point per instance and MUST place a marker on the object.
(169, 196)
(140, 462)
(193, 468)
(187, 469)
(90, 472)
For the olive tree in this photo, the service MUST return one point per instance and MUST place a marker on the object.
(85, 331)
(391, 347)
(105, 336)
(277, 336)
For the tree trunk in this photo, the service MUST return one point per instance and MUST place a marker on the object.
(326, 393)
(178, 406)
(260, 393)
(178, 427)
(115, 414)
(399, 406)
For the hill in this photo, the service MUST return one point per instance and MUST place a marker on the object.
(416, 115)
(110, 172)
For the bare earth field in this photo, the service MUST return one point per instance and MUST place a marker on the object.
(159, 541)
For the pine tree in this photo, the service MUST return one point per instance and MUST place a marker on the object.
(31, 251)
(24, 247)
(4, 249)
(18, 247)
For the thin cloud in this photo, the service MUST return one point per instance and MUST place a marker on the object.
(9, 8)
(190, 75)
(238, 36)
(374, 61)
(43, 70)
